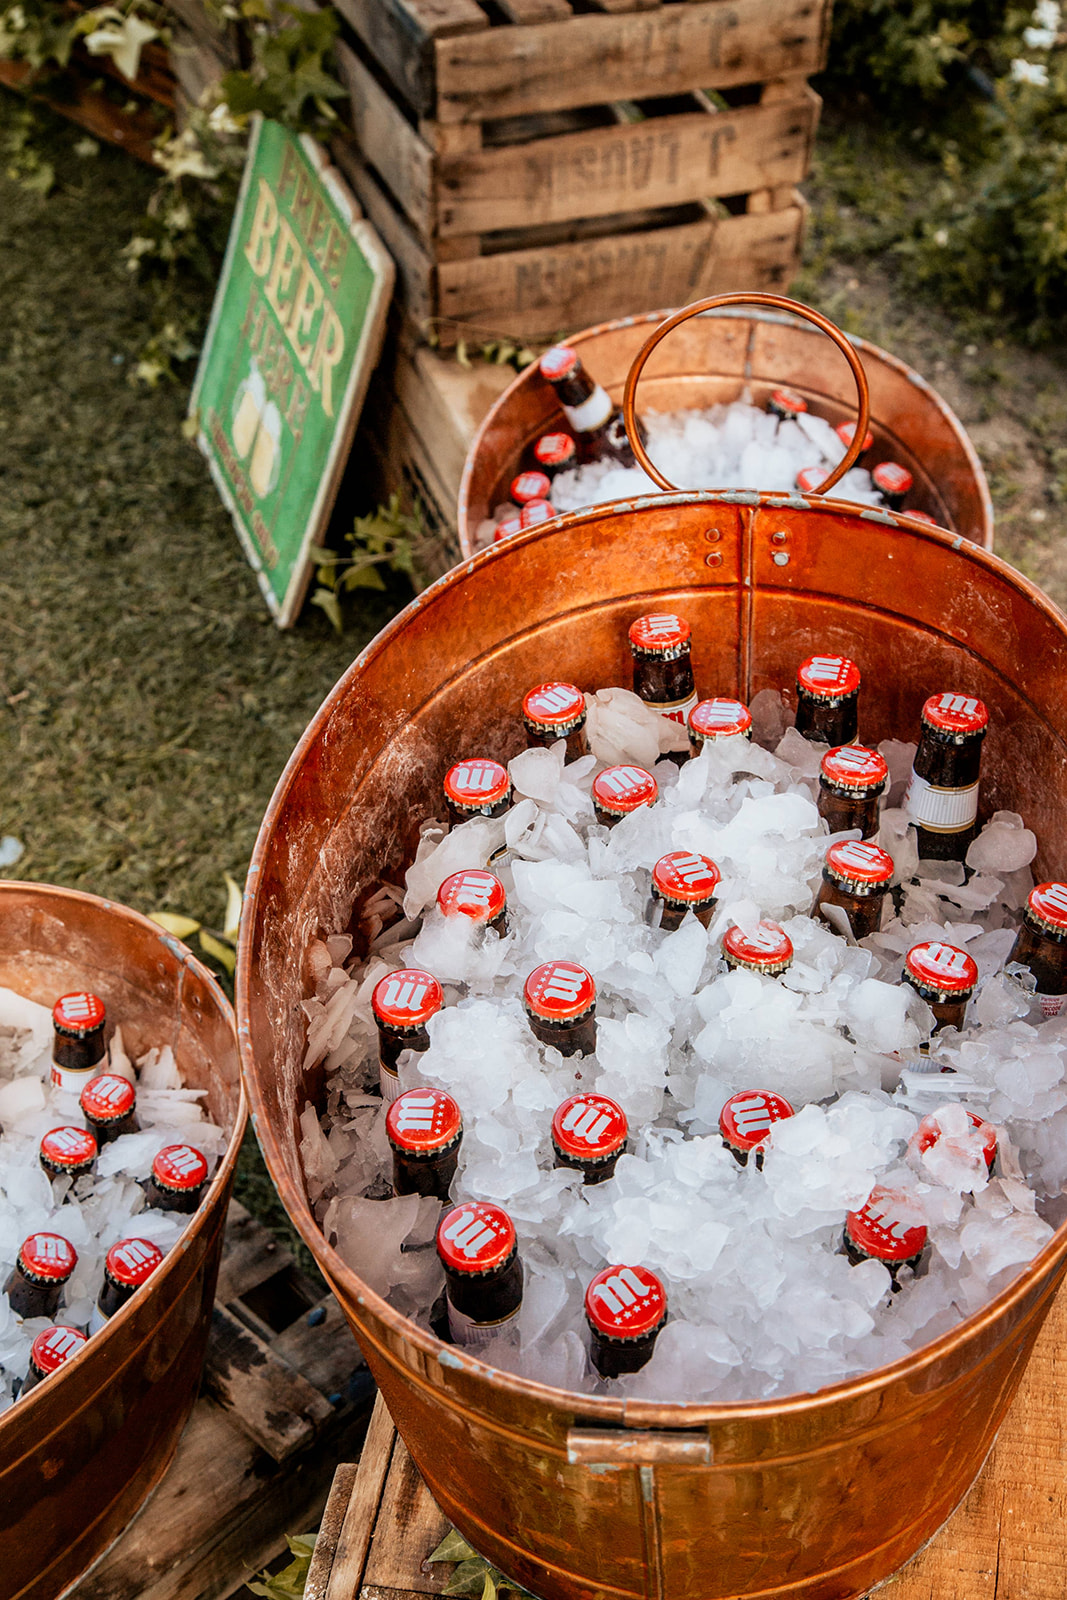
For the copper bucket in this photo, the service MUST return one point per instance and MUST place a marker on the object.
(816, 1496)
(80, 1454)
(712, 359)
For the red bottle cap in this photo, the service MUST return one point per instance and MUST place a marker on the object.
(476, 1237)
(892, 478)
(810, 479)
(930, 1131)
(108, 1098)
(625, 1303)
(507, 529)
(1047, 905)
(881, 1227)
(719, 719)
(859, 861)
(559, 991)
(559, 362)
(955, 713)
(624, 789)
(530, 486)
(132, 1262)
(767, 949)
(552, 705)
(536, 512)
(54, 1347)
(589, 1127)
(846, 432)
(48, 1257)
(659, 633)
(422, 1120)
(472, 893)
(828, 677)
(789, 400)
(853, 766)
(941, 967)
(685, 877)
(407, 998)
(554, 449)
(477, 783)
(179, 1167)
(746, 1119)
(69, 1147)
(924, 516)
(78, 1014)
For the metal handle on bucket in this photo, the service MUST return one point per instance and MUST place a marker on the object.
(778, 302)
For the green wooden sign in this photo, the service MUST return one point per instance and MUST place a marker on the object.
(295, 332)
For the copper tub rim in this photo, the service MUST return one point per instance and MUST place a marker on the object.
(100, 1342)
(754, 314)
(623, 1411)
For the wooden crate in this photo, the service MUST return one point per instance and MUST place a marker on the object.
(1007, 1541)
(286, 1394)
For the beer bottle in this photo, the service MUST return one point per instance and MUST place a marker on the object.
(483, 1273)
(852, 780)
(786, 404)
(127, 1265)
(846, 432)
(177, 1180)
(856, 876)
(923, 516)
(589, 1134)
(619, 790)
(625, 1308)
(597, 424)
(828, 690)
(68, 1153)
(882, 1230)
(109, 1106)
(660, 644)
(560, 1001)
(42, 1269)
(718, 719)
(930, 1131)
(746, 1120)
(555, 453)
(536, 512)
(942, 794)
(552, 711)
(682, 881)
(402, 1004)
(809, 479)
(1041, 945)
(475, 894)
(530, 486)
(476, 788)
(425, 1129)
(78, 1048)
(893, 483)
(50, 1351)
(506, 529)
(945, 977)
(768, 950)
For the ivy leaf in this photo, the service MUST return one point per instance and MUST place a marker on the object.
(181, 927)
(329, 603)
(453, 1547)
(489, 1587)
(468, 1578)
(234, 900)
(461, 353)
(123, 41)
(362, 578)
(224, 954)
(320, 556)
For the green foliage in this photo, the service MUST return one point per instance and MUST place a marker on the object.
(288, 79)
(892, 51)
(389, 537)
(473, 1574)
(501, 350)
(289, 1583)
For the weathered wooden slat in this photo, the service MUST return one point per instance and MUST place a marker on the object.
(321, 1346)
(400, 35)
(252, 1255)
(605, 171)
(414, 265)
(409, 1526)
(590, 60)
(527, 11)
(382, 131)
(273, 1402)
(333, 1516)
(353, 1541)
(133, 131)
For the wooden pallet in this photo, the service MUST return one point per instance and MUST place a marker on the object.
(1007, 1541)
(286, 1394)
(133, 122)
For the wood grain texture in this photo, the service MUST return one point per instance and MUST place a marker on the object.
(605, 171)
(382, 131)
(400, 34)
(273, 1402)
(592, 59)
(354, 1539)
(414, 265)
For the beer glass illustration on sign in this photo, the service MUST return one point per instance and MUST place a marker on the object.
(257, 429)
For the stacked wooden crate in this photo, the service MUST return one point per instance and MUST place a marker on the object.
(535, 165)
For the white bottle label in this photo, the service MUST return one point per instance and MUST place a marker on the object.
(74, 1081)
(97, 1322)
(673, 710)
(389, 1082)
(940, 810)
(473, 1334)
(592, 413)
(1051, 1004)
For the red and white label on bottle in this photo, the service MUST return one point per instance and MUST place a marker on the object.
(75, 1079)
(675, 710)
(1051, 1004)
(592, 413)
(388, 1082)
(940, 810)
(475, 1335)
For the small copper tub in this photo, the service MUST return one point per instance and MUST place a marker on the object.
(80, 1454)
(712, 359)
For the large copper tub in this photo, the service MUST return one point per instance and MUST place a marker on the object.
(816, 1496)
(709, 360)
(80, 1454)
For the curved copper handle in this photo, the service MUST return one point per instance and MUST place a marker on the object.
(779, 302)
